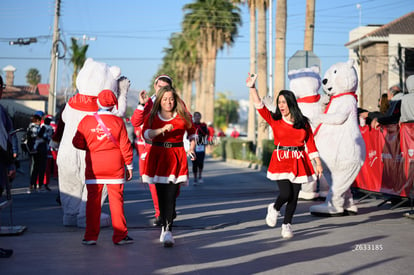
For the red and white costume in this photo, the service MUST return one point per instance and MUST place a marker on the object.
(172, 162)
(105, 162)
(293, 165)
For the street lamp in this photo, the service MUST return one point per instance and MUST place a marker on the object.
(23, 41)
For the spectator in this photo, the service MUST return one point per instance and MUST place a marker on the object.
(235, 133)
(407, 102)
(7, 168)
(393, 113)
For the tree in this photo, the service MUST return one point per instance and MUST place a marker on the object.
(251, 122)
(33, 78)
(214, 24)
(77, 59)
(280, 48)
(225, 110)
(262, 132)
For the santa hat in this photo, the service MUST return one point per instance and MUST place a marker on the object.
(163, 76)
(106, 100)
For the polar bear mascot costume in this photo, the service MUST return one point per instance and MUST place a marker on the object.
(339, 140)
(305, 84)
(91, 80)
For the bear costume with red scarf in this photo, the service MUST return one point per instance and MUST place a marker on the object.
(339, 140)
(91, 80)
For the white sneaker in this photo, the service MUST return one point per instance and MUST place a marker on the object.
(271, 217)
(168, 239)
(200, 180)
(162, 235)
(287, 232)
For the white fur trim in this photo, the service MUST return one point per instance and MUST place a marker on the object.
(105, 181)
(164, 119)
(146, 134)
(313, 155)
(291, 177)
(130, 166)
(165, 180)
(259, 106)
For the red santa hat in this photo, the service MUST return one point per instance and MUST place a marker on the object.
(107, 100)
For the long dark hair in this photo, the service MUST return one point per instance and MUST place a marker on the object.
(300, 121)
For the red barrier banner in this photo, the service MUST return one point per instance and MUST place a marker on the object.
(389, 162)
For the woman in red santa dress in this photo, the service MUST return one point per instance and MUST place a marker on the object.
(137, 120)
(290, 164)
(166, 164)
(104, 137)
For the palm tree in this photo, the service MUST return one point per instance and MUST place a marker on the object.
(215, 24)
(77, 59)
(33, 78)
(262, 129)
(280, 48)
(251, 122)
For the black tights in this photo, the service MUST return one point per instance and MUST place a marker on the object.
(288, 192)
(167, 194)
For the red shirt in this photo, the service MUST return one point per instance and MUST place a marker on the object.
(105, 160)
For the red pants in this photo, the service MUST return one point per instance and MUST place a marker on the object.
(93, 211)
(143, 149)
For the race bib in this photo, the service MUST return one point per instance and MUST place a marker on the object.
(199, 148)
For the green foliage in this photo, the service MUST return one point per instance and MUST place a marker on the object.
(268, 148)
(33, 77)
(225, 110)
(239, 149)
(78, 57)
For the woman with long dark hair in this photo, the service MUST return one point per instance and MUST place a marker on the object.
(290, 165)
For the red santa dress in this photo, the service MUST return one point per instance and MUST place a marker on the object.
(105, 162)
(166, 161)
(290, 160)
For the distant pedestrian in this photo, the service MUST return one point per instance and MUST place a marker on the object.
(200, 149)
(105, 139)
(290, 164)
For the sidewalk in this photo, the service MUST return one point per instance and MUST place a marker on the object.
(219, 229)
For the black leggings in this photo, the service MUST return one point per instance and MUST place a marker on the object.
(288, 192)
(167, 194)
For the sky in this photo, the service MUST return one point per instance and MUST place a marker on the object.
(133, 34)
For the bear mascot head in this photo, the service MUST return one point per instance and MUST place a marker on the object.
(305, 84)
(339, 140)
(92, 79)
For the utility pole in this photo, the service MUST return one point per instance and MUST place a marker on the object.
(51, 109)
(309, 25)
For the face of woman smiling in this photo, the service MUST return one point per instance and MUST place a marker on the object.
(283, 107)
(167, 102)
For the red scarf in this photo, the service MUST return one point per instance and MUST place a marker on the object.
(309, 99)
(329, 104)
(84, 103)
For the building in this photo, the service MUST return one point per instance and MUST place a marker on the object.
(385, 57)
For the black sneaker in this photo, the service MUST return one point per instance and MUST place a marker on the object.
(126, 240)
(5, 253)
(157, 221)
(91, 242)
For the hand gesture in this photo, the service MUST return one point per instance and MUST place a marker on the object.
(143, 97)
(251, 80)
(123, 85)
(167, 128)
